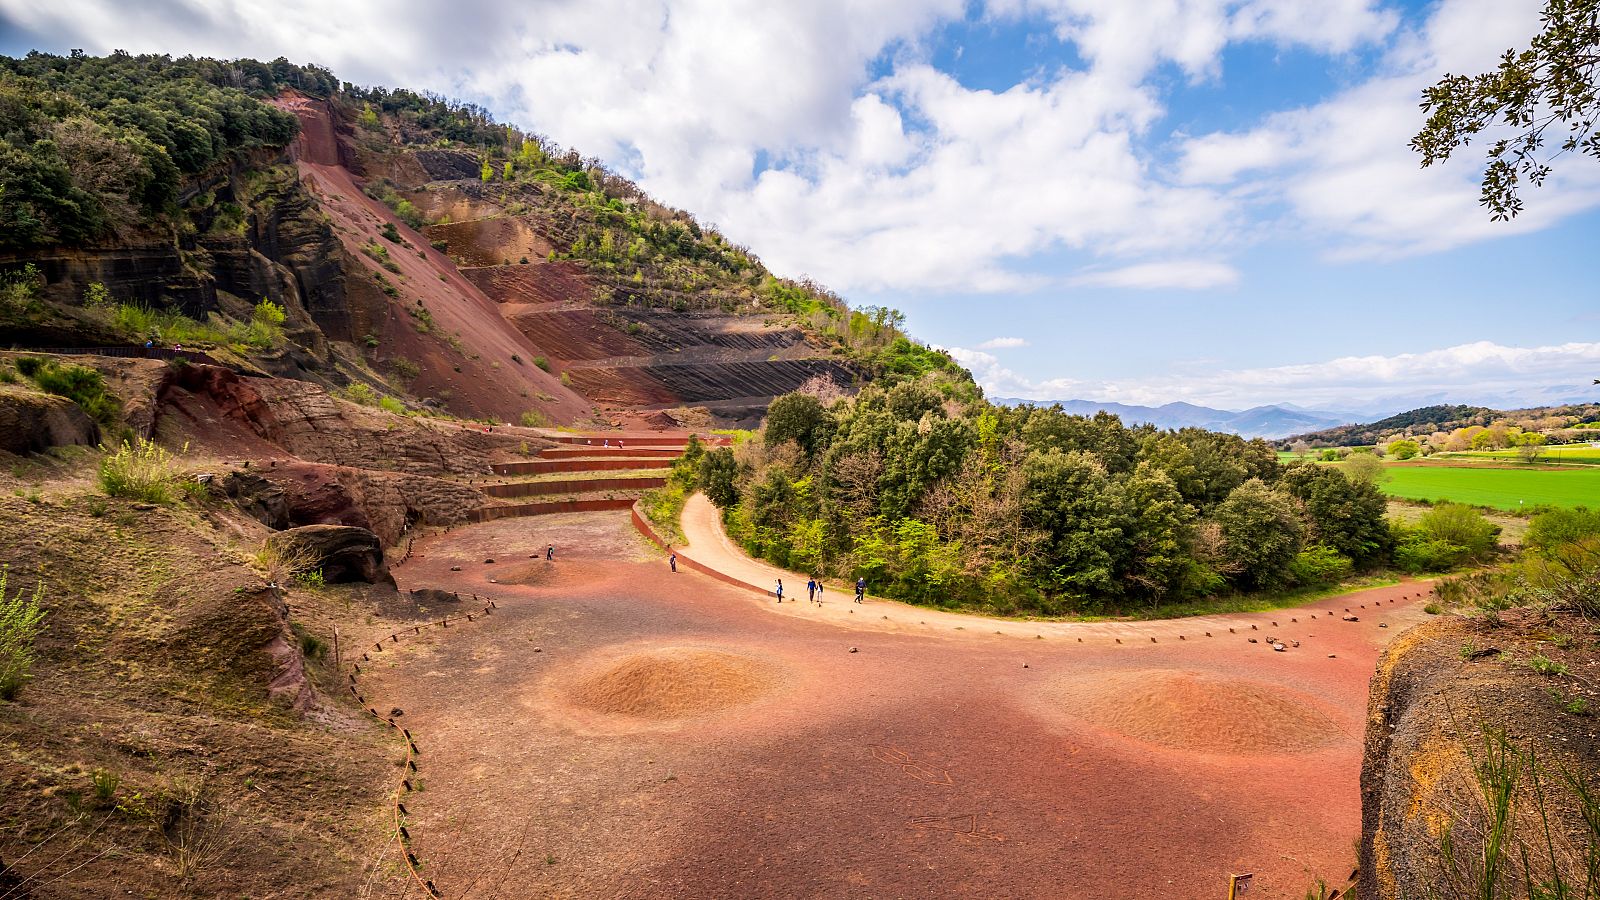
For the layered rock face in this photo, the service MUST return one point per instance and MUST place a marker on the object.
(1457, 715)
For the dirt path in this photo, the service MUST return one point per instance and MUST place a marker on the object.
(619, 731)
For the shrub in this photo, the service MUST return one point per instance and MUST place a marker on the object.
(1415, 552)
(1460, 525)
(405, 368)
(1549, 530)
(440, 246)
(95, 296)
(81, 385)
(1319, 564)
(359, 392)
(141, 470)
(390, 404)
(21, 622)
(390, 233)
(566, 380)
(20, 287)
(542, 362)
(534, 419)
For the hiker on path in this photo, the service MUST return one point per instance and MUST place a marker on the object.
(550, 552)
(608, 442)
(818, 579)
(673, 560)
(811, 590)
(861, 589)
(779, 590)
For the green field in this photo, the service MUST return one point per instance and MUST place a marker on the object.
(1573, 454)
(1500, 488)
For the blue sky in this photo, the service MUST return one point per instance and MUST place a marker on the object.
(1201, 200)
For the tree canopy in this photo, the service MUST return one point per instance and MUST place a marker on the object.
(1549, 84)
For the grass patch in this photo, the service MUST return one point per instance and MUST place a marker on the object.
(21, 622)
(1494, 487)
(141, 470)
(81, 385)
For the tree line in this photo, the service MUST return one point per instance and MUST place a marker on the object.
(935, 496)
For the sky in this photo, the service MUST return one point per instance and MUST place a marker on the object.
(1210, 201)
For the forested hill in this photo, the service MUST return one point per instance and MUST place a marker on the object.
(152, 197)
(1429, 420)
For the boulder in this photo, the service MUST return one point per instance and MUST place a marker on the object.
(258, 498)
(343, 552)
(31, 422)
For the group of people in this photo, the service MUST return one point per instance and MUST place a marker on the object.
(813, 587)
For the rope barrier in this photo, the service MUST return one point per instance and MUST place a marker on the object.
(413, 752)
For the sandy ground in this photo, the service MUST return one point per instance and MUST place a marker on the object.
(615, 730)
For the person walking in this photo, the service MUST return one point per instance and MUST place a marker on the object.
(861, 589)
(673, 561)
(779, 590)
(811, 590)
(818, 579)
(550, 552)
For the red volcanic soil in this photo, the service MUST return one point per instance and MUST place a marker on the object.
(482, 375)
(615, 730)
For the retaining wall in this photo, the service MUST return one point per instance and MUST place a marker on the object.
(573, 486)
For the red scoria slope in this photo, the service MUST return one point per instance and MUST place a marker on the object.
(467, 355)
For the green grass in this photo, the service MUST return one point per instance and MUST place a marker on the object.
(1498, 488)
(1567, 454)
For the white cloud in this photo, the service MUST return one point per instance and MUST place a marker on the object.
(1184, 274)
(1343, 166)
(1479, 372)
(1003, 343)
(913, 181)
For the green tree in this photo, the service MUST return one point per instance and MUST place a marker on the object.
(1404, 449)
(1069, 498)
(719, 473)
(1345, 514)
(1551, 83)
(795, 417)
(1261, 533)
(1158, 531)
(1363, 468)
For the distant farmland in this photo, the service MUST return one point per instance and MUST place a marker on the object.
(1500, 488)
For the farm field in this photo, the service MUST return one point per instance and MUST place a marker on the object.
(1499, 488)
(1578, 454)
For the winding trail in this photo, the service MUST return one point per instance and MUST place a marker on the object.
(615, 730)
(708, 544)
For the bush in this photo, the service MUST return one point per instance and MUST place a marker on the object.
(359, 392)
(141, 470)
(534, 419)
(105, 783)
(21, 622)
(1463, 526)
(390, 404)
(1415, 552)
(390, 233)
(1319, 564)
(1549, 530)
(566, 380)
(542, 362)
(81, 385)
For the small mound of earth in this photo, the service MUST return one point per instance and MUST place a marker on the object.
(1198, 711)
(673, 683)
(528, 573)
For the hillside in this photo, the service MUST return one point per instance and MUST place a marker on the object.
(1260, 421)
(408, 246)
(1431, 420)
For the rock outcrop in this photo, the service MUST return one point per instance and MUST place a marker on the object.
(344, 553)
(1449, 697)
(31, 422)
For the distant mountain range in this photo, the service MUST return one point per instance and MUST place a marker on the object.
(1276, 421)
